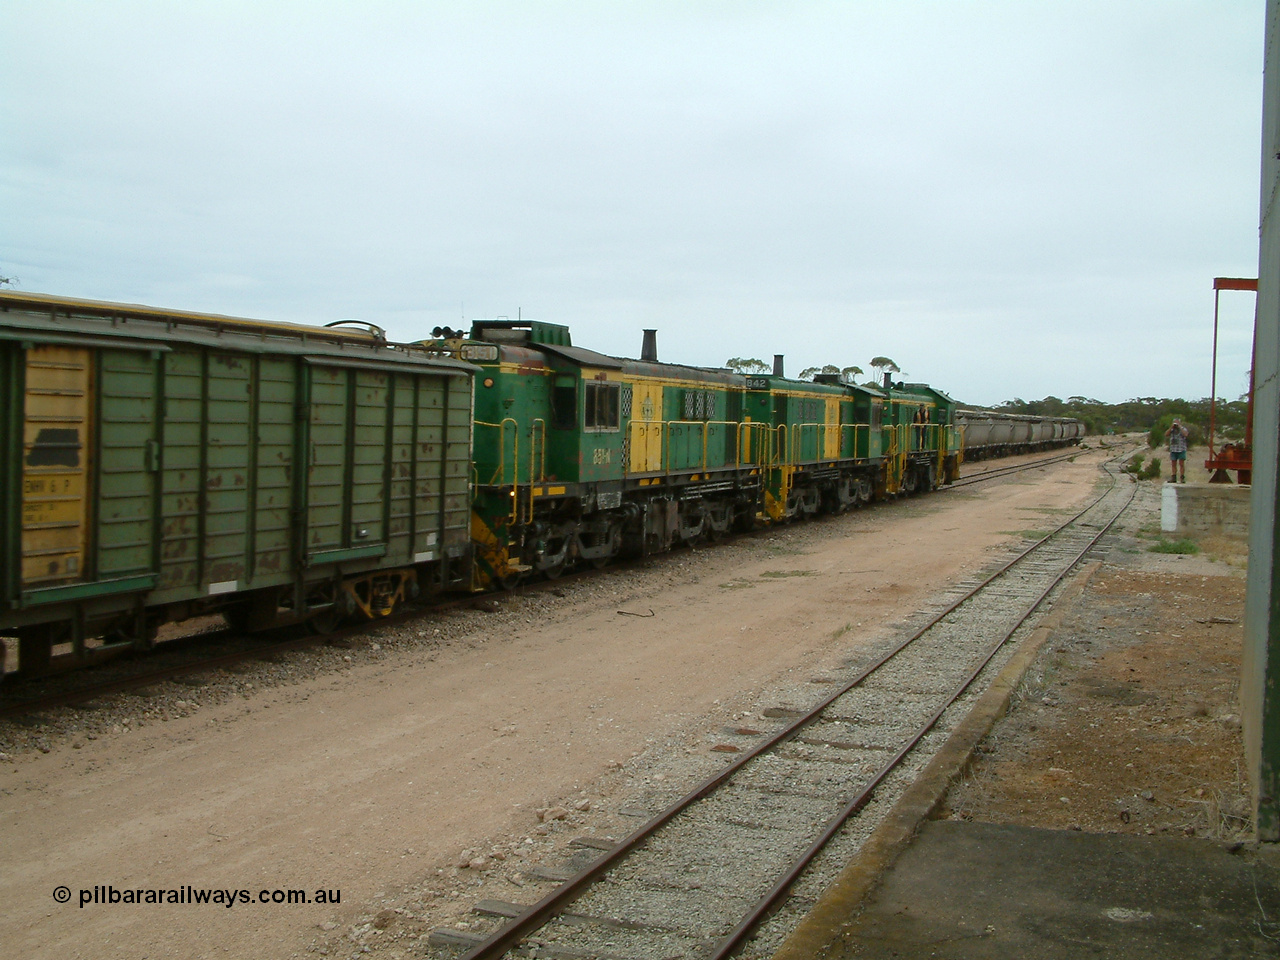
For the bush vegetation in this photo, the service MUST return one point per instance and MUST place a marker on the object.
(1134, 465)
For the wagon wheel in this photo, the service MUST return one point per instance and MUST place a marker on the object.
(325, 622)
(237, 617)
(35, 650)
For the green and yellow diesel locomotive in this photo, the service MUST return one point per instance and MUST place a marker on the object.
(580, 457)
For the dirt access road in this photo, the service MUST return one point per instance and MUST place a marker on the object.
(385, 767)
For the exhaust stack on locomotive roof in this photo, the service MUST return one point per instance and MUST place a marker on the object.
(777, 365)
(649, 349)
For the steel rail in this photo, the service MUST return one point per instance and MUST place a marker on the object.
(537, 915)
(1007, 469)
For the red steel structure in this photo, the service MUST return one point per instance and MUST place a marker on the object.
(1232, 456)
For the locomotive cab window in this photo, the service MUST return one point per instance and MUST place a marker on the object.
(875, 415)
(564, 403)
(600, 407)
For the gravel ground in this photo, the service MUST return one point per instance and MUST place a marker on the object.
(749, 633)
(1129, 720)
(709, 895)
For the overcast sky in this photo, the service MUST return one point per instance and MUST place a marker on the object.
(1009, 199)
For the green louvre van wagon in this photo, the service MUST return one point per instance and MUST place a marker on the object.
(162, 464)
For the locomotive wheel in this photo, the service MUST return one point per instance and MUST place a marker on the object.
(556, 570)
(509, 581)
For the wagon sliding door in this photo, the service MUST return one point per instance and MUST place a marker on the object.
(127, 548)
(346, 476)
(55, 465)
(87, 532)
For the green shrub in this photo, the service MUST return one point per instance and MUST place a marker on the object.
(1135, 463)
(1153, 470)
(1185, 545)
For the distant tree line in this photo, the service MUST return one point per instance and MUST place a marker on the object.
(1150, 415)
(848, 374)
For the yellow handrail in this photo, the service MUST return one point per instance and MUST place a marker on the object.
(535, 462)
(538, 426)
(700, 424)
(793, 443)
(749, 433)
(499, 477)
(752, 429)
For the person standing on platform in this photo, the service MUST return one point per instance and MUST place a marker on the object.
(1177, 435)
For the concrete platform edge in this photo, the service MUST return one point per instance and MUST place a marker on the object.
(830, 915)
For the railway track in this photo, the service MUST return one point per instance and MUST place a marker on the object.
(113, 675)
(699, 875)
(1004, 471)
